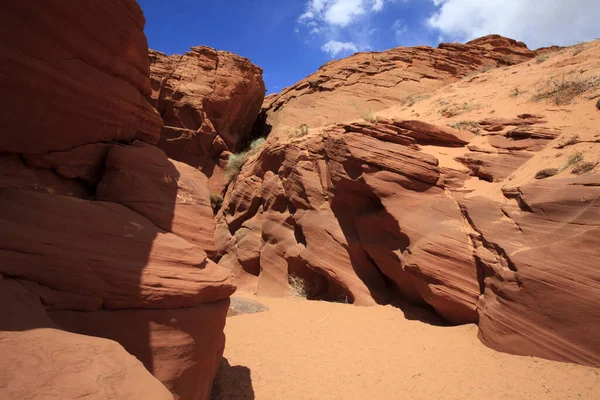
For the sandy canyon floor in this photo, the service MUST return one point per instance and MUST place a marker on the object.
(316, 350)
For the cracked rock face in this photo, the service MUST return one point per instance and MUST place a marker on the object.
(209, 101)
(364, 213)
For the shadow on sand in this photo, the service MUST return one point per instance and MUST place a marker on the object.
(232, 383)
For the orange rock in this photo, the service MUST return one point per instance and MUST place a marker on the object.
(60, 76)
(39, 360)
(209, 101)
(350, 210)
(356, 86)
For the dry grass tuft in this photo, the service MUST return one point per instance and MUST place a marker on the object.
(414, 98)
(236, 161)
(471, 126)
(298, 286)
(541, 58)
(564, 90)
(571, 140)
(573, 160)
(459, 109)
(216, 201)
(546, 173)
(584, 168)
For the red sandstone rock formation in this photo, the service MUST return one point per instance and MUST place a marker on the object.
(350, 88)
(108, 232)
(209, 101)
(39, 360)
(366, 213)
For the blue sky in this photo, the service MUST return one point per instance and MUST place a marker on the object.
(290, 39)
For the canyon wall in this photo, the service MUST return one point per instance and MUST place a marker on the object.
(101, 233)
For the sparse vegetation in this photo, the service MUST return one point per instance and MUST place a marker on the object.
(515, 92)
(216, 201)
(459, 109)
(300, 131)
(367, 115)
(598, 104)
(488, 67)
(471, 126)
(579, 48)
(541, 58)
(573, 160)
(584, 168)
(414, 98)
(298, 286)
(546, 173)
(564, 90)
(237, 160)
(571, 140)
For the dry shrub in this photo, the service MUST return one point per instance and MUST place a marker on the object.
(546, 173)
(584, 168)
(298, 286)
(562, 91)
(414, 98)
(471, 126)
(216, 201)
(236, 161)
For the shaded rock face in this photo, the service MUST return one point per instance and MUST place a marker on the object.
(209, 101)
(353, 87)
(40, 360)
(65, 78)
(364, 213)
(105, 234)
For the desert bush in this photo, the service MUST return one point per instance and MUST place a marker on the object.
(515, 92)
(579, 48)
(573, 160)
(300, 131)
(546, 173)
(369, 116)
(541, 58)
(414, 98)
(298, 286)
(488, 67)
(583, 168)
(459, 109)
(571, 140)
(237, 160)
(471, 126)
(216, 201)
(598, 104)
(564, 90)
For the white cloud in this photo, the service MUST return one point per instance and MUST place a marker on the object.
(339, 12)
(343, 25)
(377, 5)
(537, 23)
(399, 27)
(333, 47)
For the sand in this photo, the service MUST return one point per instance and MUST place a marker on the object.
(316, 350)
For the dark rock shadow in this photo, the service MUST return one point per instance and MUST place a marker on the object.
(232, 383)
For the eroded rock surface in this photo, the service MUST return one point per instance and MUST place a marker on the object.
(209, 101)
(367, 213)
(105, 233)
(40, 360)
(364, 83)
